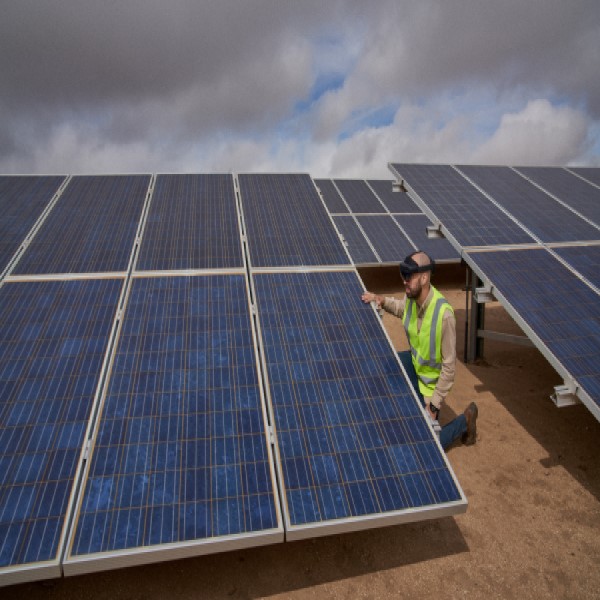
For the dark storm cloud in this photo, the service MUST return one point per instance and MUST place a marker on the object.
(133, 79)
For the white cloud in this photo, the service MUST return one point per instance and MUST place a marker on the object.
(540, 134)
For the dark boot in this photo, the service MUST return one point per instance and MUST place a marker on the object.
(470, 436)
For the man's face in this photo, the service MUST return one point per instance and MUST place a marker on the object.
(414, 285)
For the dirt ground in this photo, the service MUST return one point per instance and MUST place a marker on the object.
(532, 528)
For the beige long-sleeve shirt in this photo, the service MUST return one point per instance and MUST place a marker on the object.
(395, 306)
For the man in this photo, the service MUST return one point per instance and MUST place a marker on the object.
(431, 331)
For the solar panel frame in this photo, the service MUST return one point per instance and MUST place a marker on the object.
(415, 228)
(192, 223)
(284, 333)
(472, 220)
(584, 260)
(359, 196)
(331, 196)
(389, 241)
(46, 410)
(553, 320)
(23, 201)
(542, 215)
(570, 189)
(360, 248)
(83, 234)
(238, 372)
(395, 202)
(299, 233)
(591, 174)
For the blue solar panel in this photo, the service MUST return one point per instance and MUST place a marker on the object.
(286, 222)
(359, 196)
(592, 174)
(192, 224)
(358, 246)
(22, 201)
(463, 210)
(53, 337)
(395, 202)
(584, 259)
(415, 227)
(91, 229)
(181, 452)
(351, 437)
(572, 190)
(546, 218)
(331, 197)
(560, 309)
(387, 238)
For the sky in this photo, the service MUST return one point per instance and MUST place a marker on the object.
(334, 88)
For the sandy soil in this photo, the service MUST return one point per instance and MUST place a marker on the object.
(532, 529)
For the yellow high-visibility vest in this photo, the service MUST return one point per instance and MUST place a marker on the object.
(426, 345)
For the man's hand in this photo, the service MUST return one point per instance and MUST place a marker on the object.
(369, 297)
(432, 411)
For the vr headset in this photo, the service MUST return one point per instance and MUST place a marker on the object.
(409, 266)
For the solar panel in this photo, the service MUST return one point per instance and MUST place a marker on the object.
(192, 224)
(546, 218)
(287, 224)
(572, 190)
(561, 310)
(584, 259)
(590, 173)
(354, 448)
(415, 227)
(358, 246)
(91, 229)
(331, 197)
(53, 338)
(359, 196)
(180, 462)
(386, 237)
(395, 202)
(22, 201)
(464, 211)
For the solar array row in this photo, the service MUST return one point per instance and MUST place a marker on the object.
(560, 208)
(167, 392)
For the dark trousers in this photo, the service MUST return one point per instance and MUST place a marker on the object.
(451, 431)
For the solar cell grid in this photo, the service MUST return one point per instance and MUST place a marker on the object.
(352, 440)
(91, 229)
(192, 224)
(562, 310)
(395, 202)
(584, 259)
(592, 174)
(181, 453)
(22, 201)
(358, 246)
(359, 196)
(415, 227)
(287, 224)
(331, 197)
(387, 238)
(53, 337)
(464, 211)
(572, 190)
(546, 218)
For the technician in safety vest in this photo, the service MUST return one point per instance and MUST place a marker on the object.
(431, 331)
